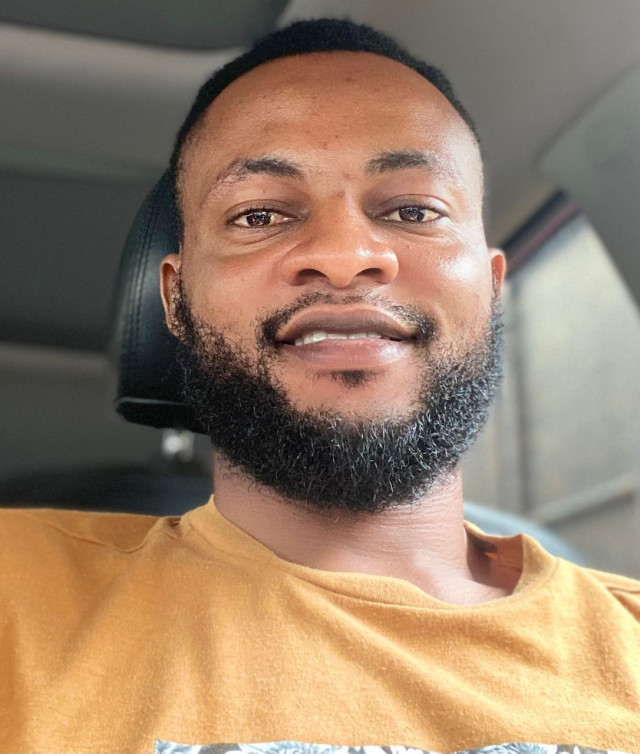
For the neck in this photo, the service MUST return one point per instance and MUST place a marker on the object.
(425, 543)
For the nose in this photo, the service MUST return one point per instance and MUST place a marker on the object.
(341, 248)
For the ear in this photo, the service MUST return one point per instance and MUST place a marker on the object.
(169, 276)
(498, 269)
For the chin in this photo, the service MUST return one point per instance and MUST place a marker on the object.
(355, 395)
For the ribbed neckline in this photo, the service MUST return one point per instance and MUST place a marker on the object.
(521, 551)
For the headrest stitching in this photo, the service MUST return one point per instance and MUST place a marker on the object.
(146, 235)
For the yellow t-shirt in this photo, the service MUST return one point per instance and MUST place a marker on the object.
(117, 630)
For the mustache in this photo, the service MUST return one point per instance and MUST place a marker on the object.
(424, 324)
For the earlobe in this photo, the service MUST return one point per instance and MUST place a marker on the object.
(169, 278)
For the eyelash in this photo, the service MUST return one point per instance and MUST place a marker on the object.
(421, 207)
(253, 210)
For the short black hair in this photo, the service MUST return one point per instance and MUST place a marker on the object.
(300, 38)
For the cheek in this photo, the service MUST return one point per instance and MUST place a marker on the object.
(457, 289)
(241, 286)
(468, 268)
(470, 292)
(227, 293)
(465, 272)
(452, 274)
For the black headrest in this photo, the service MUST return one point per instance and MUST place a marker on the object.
(149, 379)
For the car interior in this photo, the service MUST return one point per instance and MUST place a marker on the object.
(93, 95)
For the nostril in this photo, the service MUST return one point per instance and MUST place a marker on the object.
(307, 275)
(312, 263)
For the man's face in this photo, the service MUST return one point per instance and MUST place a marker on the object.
(337, 194)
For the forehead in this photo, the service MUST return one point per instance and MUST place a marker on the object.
(349, 105)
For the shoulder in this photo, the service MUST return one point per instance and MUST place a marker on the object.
(47, 554)
(27, 531)
(624, 590)
(590, 593)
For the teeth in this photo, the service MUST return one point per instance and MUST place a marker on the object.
(315, 337)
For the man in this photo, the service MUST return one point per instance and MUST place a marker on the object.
(339, 319)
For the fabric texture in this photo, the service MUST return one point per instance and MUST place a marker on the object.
(120, 629)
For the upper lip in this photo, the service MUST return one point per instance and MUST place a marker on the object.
(344, 320)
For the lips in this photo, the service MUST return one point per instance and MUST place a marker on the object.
(344, 320)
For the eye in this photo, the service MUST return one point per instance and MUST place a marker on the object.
(412, 214)
(256, 218)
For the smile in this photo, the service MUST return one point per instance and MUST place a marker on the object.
(339, 351)
(316, 337)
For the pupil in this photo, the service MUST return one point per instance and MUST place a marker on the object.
(259, 218)
(412, 213)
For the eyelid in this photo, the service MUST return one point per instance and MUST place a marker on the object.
(258, 208)
(437, 214)
(427, 205)
(413, 200)
(394, 205)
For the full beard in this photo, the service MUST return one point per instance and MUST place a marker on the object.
(320, 458)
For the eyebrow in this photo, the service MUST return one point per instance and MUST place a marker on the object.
(402, 159)
(262, 165)
(384, 162)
